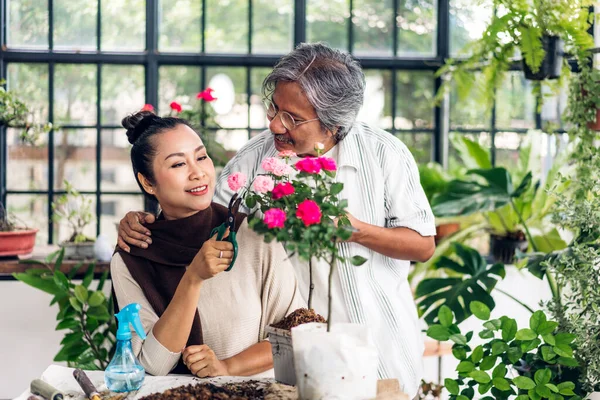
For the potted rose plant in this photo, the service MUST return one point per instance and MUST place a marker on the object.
(300, 206)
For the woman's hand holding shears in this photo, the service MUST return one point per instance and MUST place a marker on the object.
(214, 257)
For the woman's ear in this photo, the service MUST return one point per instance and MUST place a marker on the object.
(148, 187)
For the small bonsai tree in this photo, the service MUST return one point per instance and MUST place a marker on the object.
(76, 210)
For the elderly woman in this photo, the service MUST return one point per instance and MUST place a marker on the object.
(313, 95)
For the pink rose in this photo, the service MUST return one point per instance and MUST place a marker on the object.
(263, 184)
(274, 218)
(282, 169)
(328, 164)
(175, 106)
(287, 154)
(236, 181)
(310, 165)
(283, 189)
(269, 163)
(148, 107)
(309, 212)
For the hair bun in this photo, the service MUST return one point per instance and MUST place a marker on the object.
(137, 123)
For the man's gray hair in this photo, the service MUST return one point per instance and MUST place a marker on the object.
(331, 79)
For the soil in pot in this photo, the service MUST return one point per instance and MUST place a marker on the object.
(552, 64)
(248, 390)
(299, 317)
(503, 248)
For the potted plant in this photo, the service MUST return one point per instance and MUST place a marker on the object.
(541, 31)
(306, 214)
(15, 237)
(76, 210)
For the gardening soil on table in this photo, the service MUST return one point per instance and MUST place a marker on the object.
(249, 390)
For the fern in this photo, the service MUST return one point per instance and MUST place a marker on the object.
(531, 47)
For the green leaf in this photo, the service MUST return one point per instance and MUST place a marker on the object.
(525, 334)
(566, 388)
(522, 397)
(493, 325)
(452, 386)
(487, 363)
(72, 338)
(563, 350)
(564, 338)
(547, 353)
(67, 324)
(73, 271)
(509, 329)
(499, 348)
(438, 332)
(530, 345)
(102, 279)
(89, 275)
(336, 188)
(480, 376)
(61, 280)
(543, 391)
(486, 334)
(536, 319)
(552, 387)
(250, 202)
(549, 339)
(45, 284)
(501, 384)
(458, 339)
(75, 304)
(543, 376)
(461, 397)
(533, 395)
(500, 371)
(358, 260)
(524, 382)
(96, 299)
(523, 186)
(485, 387)
(465, 366)
(477, 354)
(459, 352)
(81, 294)
(547, 327)
(514, 354)
(569, 362)
(531, 46)
(480, 310)
(100, 313)
(445, 316)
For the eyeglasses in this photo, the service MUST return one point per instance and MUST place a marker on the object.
(287, 120)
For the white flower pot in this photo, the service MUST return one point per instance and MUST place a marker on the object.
(79, 251)
(341, 364)
(283, 355)
(594, 396)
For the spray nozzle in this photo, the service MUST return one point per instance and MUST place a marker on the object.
(129, 315)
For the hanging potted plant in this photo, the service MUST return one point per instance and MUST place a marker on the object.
(306, 214)
(76, 210)
(540, 32)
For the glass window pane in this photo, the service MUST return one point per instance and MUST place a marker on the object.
(258, 116)
(272, 26)
(454, 162)
(63, 230)
(32, 211)
(373, 29)
(468, 20)
(554, 106)
(123, 25)
(75, 36)
(75, 158)
(122, 92)
(113, 208)
(177, 83)
(417, 28)
(116, 171)
(470, 112)
(226, 26)
(420, 145)
(229, 84)
(414, 99)
(515, 103)
(507, 149)
(232, 140)
(180, 26)
(27, 24)
(27, 166)
(75, 96)
(30, 82)
(377, 109)
(327, 21)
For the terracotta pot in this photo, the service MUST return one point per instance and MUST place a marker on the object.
(445, 230)
(503, 249)
(14, 243)
(552, 64)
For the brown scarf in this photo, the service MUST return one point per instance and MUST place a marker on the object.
(159, 268)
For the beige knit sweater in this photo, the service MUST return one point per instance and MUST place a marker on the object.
(234, 306)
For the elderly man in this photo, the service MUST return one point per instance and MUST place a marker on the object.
(313, 95)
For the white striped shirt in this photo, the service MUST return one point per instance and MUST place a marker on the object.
(382, 186)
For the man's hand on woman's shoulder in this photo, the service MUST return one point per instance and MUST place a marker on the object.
(133, 232)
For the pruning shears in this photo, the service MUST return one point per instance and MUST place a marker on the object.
(234, 205)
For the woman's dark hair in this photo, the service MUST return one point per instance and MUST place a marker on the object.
(141, 127)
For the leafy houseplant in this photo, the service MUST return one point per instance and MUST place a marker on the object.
(495, 366)
(532, 28)
(76, 210)
(84, 312)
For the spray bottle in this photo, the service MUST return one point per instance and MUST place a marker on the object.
(125, 373)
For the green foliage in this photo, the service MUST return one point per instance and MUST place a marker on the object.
(85, 313)
(464, 292)
(76, 210)
(517, 26)
(542, 357)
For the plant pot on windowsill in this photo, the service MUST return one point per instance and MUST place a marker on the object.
(503, 248)
(17, 242)
(552, 64)
(79, 251)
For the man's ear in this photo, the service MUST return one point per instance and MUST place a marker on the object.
(148, 187)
